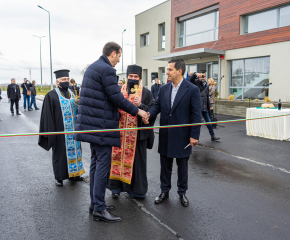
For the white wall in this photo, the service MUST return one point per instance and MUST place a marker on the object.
(149, 21)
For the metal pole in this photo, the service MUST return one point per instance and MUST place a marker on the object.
(122, 50)
(49, 45)
(40, 59)
(40, 64)
(50, 53)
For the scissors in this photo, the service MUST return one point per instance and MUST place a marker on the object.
(187, 146)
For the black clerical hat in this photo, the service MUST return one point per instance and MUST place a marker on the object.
(135, 69)
(61, 73)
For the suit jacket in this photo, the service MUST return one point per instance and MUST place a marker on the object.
(155, 89)
(186, 109)
(12, 94)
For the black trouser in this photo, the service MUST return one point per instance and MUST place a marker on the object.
(16, 101)
(166, 171)
(99, 172)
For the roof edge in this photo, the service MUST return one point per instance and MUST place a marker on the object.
(152, 7)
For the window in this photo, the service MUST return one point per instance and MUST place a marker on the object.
(247, 77)
(162, 35)
(163, 78)
(199, 30)
(145, 40)
(274, 18)
(145, 77)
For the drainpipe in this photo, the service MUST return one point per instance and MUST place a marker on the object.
(219, 76)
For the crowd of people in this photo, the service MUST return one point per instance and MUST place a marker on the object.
(119, 158)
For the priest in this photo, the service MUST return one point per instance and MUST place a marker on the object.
(129, 163)
(59, 112)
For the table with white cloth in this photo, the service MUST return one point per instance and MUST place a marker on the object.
(273, 128)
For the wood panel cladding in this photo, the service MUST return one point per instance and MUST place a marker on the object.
(230, 12)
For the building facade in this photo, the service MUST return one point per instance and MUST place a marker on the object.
(247, 42)
(152, 29)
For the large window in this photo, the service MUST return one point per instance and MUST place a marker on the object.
(248, 76)
(199, 30)
(274, 18)
(162, 36)
(145, 40)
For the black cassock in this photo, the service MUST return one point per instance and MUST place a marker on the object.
(145, 138)
(51, 121)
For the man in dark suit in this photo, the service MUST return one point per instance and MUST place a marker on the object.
(179, 103)
(155, 89)
(13, 94)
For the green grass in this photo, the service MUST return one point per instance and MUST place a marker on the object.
(44, 91)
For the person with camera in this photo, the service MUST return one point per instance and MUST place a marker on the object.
(198, 79)
(26, 94)
(13, 94)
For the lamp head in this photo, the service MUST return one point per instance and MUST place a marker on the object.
(39, 6)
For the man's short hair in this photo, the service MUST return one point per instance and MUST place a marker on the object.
(33, 81)
(24, 78)
(111, 47)
(12, 79)
(179, 64)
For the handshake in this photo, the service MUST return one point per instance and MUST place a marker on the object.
(145, 116)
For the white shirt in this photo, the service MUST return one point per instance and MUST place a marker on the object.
(174, 92)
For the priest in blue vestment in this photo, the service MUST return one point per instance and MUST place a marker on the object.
(59, 112)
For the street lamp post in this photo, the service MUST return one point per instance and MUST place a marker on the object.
(122, 49)
(131, 52)
(49, 45)
(40, 59)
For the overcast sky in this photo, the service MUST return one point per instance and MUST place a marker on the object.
(79, 30)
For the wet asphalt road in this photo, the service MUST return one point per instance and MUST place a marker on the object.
(238, 189)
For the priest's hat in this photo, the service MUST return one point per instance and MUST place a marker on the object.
(61, 73)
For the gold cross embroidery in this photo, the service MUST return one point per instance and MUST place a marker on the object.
(135, 90)
(131, 126)
(130, 146)
(120, 125)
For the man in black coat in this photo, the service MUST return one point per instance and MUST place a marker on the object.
(138, 163)
(13, 94)
(179, 103)
(155, 89)
(26, 87)
(99, 102)
(198, 79)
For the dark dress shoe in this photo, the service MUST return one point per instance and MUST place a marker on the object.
(59, 183)
(214, 138)
(184, 201)
(115, 195)
(161, 197)
(30, 110)
(18, 113)
(109, 208)
(37, 109)
(105, 216)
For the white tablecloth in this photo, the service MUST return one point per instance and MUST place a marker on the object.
(273, 128)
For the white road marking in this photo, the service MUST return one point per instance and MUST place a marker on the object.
(248, 159)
